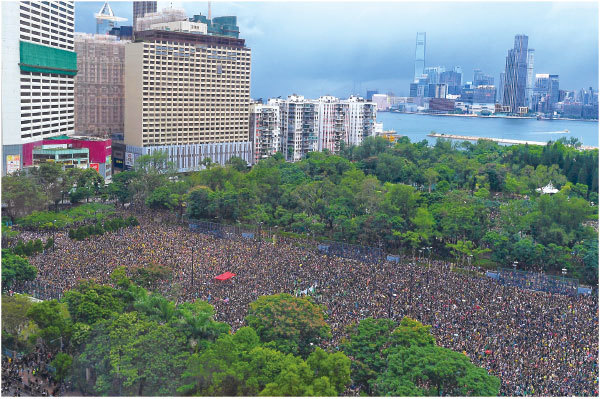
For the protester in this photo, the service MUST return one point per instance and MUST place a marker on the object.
(537, 343)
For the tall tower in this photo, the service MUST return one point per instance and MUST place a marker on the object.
(419, 56)
(141, 8)
(516, 75)
(38, 68)
(530, 80)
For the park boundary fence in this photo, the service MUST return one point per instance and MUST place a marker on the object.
(38, 290)
(538, 281)
(343, 250)
(350, 251)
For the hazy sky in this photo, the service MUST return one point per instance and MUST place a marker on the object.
(318, 48)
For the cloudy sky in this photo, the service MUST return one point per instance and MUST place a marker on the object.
(338, 48)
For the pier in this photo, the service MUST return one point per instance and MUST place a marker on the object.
(498, 140)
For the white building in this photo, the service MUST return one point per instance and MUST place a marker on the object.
(382, 102)
(38, 69)
(265, 131)
(316, 125)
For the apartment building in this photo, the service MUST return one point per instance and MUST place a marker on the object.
(323, 124)
(265, 131)
(38, 69)
(187, 94)
(99, 86)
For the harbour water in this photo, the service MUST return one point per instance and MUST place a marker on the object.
(417, 127)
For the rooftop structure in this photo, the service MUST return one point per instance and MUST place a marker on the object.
(106, 14)
(161, 17)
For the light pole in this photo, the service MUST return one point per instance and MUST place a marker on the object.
(470, 258)
(192, 267)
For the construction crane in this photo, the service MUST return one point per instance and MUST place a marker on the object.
(106, 14)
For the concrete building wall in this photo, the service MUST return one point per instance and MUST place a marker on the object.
(99, 86)
(133, 85)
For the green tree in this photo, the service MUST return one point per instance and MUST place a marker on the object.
(290, 324)
(15, 268)
(62, 364)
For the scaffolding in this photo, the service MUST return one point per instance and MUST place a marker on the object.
(99, 85)
(164, 16)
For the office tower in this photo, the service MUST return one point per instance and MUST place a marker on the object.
(370, 94)
(453, 79)
(482, 79)
(546, 92)
(99, 87)
(501, 88)
(433, 74)
(187, 94)
(382, 101)
(122, 32)
(265, 131)
(419, 56)
(141, 8)
(530, 80)
(439, 90)
(38, 69)
(516, 75)
(484, 94)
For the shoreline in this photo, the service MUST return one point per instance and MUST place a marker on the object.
(498, 140)
(492, 116)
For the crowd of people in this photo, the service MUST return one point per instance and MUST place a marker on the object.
(537, 343)
(28, 375)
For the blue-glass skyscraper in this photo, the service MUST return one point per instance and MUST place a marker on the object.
(419, 56)
(515, 75)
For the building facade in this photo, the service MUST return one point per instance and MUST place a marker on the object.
(420, 55)
(141, 8)
(99, 86)
(187, 93)
(38, 69)
(515, 83)
(265, 131)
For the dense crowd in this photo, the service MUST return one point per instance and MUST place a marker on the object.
(28, 375)
(538, 343)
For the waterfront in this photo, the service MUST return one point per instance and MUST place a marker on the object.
(418, 126)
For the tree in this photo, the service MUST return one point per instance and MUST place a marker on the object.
(292, 325)
(15, 268)
(54, 322)
(365, 345)
(434, 371)
(238, 164)
(15, 323)
(62, 364)
(21, 195)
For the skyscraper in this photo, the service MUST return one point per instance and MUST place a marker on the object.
(419, 56)
(516, 75)
(500, 99)
(187, 94)
(141, 8)
(99, 96)
(38, 68)
(530, 80)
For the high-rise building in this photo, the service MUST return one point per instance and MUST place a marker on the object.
(500, 98)
(187, 94)
(219, 26)
(99, 86)
(433, 74)
(370, 94)
(484, 94)
(141, 8)
(453, 79)
(265, 131)
(545, 93)
(530, 80)
(122, 32)
(482, 79)
(419, 55)
(38, 69)
(516, 75)
(316, 125)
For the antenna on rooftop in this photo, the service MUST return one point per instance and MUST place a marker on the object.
(209, 13)
(106, 14)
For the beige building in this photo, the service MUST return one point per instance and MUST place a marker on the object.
(99, 88)
(187, 94)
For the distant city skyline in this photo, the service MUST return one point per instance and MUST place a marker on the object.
(314, 49)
